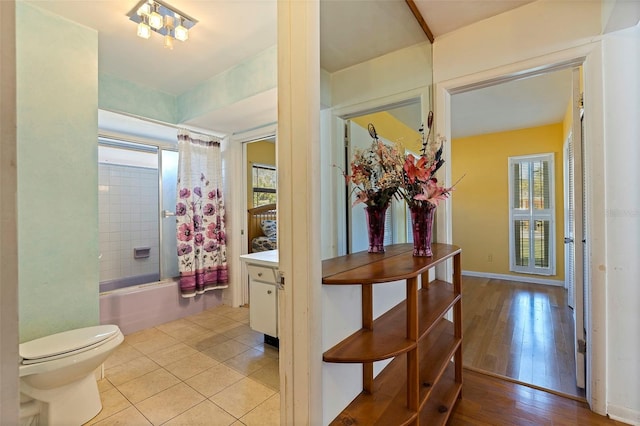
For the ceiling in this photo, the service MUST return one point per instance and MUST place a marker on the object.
(231, 31)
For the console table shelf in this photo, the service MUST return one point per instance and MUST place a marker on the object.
(420, 385)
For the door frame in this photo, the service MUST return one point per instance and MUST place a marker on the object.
(590, 57)
(235, 154)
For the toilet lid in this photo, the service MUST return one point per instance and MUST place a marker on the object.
(67, 341)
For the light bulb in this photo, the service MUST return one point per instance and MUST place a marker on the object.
(155, 20)
(143, 30)
(181, 33)
(168, 42)
(144, 9)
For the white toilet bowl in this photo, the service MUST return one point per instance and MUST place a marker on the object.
(57, 372)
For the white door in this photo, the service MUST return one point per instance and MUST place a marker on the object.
(569, 223)
(579, 238)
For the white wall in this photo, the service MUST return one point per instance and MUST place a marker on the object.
(390, 74)
(621, 89)
(523, 33)
(547, 33)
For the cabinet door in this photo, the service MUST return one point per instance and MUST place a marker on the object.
(263, 308)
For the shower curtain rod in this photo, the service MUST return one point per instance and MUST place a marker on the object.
(166, 124)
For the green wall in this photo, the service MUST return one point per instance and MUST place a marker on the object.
(57, 104)
(120, 95)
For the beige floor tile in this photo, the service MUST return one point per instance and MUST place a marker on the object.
(242, 397)
(221, 310)
(112, 402)
(127, 417)
(188, 332)
(214, 380)
(227, 326)
(123, 373)
(123, 353)
(249, 361)
(155, 344)
(205, 341)
(172, 354)
(169, 403)
(249, 338)
(238, 314)
(269, 375)
(238, 423)
(190, 366)
(104, 385)
(265, 414)
(238, 330)
(268, 350)
(168, 327)
(142, 335)
(226, 350)
(217, 324)
(148, 385)
(204, 414)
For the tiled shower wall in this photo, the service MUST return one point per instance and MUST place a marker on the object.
(128, 212)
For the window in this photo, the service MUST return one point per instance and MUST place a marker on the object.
(532, 215)
(264, 184)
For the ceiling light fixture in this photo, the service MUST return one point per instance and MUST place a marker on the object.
(157, 16)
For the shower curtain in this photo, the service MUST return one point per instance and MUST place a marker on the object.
(202, 247)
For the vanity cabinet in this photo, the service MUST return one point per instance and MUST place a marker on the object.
(262, 268)
(263, 300)
(421, 384)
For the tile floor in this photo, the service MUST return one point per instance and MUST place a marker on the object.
(207, 369)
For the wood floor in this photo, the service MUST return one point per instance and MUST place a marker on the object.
(487, 400)
(520, 331)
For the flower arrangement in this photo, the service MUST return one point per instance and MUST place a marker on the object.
(382, 172)
(419, 185)
(376, 172)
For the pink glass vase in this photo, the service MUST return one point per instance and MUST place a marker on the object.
(422, 224)
(375, 227)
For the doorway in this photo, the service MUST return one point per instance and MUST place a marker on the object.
(526, 323)
(259, 176)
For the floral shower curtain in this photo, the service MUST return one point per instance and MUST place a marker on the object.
(202, 247)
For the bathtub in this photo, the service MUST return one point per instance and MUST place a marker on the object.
(147, 305)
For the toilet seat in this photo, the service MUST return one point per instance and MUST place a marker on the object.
(67, 343)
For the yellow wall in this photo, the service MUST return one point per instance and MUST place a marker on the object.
(392, 129)
(261, 152)
(481, 202)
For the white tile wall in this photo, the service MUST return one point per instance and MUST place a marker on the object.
(128, 218)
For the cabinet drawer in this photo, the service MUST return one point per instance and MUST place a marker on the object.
(262, 274)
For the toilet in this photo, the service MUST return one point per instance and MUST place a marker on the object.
(57, 379)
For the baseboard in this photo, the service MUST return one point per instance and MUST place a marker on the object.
(532, 280)
(623, 414)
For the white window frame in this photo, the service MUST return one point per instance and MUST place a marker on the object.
(532, 215)
(261, 189)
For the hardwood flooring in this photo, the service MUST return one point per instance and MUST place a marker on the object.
(487, 400)
(520, 331)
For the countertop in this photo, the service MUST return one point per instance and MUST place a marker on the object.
(267, 258)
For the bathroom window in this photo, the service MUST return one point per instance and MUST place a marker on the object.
(137, 197)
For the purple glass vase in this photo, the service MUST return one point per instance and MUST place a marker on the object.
(422, 223)
(375, 227)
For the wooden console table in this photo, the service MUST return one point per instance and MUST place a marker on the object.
(421, 385)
